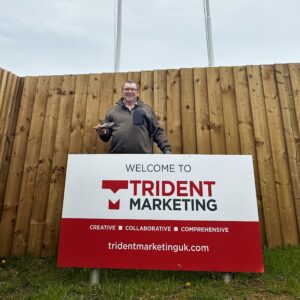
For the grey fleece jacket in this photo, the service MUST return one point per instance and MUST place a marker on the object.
(134, 130)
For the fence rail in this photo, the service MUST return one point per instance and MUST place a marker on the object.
(228, 110)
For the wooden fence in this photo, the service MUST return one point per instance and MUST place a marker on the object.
(235, 110)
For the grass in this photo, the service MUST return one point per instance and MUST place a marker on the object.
(33, 278)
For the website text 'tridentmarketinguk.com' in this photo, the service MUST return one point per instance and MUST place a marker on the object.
(157, 247)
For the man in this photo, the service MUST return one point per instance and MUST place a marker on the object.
(132, 125)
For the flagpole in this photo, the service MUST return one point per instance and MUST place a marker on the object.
(118, 31)
(209, 42)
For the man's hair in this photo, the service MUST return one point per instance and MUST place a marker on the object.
(131, 81)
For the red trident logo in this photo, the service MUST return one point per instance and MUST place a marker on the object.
(114, 186)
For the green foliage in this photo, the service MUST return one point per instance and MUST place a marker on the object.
(32, 278)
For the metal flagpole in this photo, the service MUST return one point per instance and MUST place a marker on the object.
(209, 41)
(94, 273)
(118, 31)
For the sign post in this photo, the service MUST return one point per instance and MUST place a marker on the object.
(161, 212)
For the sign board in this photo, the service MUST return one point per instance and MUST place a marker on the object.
(167, 212)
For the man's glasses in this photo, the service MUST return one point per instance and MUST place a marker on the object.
(129, 90)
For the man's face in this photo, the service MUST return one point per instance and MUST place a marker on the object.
(130, 92)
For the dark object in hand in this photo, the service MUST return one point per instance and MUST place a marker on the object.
(107, 125)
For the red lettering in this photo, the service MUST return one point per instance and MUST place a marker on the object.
(135, 184)
(209, 188)
(171, 185)
(147, 186)
(181, 187)
(198, 189)
(157, 188)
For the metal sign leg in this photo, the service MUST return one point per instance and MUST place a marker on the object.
(94, 276)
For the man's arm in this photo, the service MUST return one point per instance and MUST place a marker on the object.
(105, 133)
(158, 134)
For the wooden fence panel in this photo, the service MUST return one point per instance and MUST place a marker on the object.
(291, 130)
(120, 78)
(246, 132)
(202, 112)
(106, 103)
(8, 127)
(79, 114)
(91, 118)
(160, 101)
(189, 142)
(1, 74)
(281, 171)
(3, 88)
(217, 131)
(146, 89)
(173, 111)
(7, 101)
(41, 192)
(135, 76)
(231, 127)
(264, 156)
(294, 70)
(15, 174)
(249, 110)
(26, 194)
(58, 172)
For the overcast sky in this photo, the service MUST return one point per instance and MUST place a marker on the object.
(40, 37)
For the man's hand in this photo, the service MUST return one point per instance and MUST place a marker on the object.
(102, 131)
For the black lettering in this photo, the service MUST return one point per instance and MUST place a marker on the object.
(166, 203)
(146, 204)
(135, 203)
(212, 205)
(156, 203)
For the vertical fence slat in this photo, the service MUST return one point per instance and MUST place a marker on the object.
(41, 191)
(246, 131)
(15, 173)
(1, 76)
(6, 111)
(160, 101)
(135, 76)
(8, 115)
(294, 70)
(173, 111)
(7, 88)
(189, 142)
(217, 130)
(291, 130)
(146, 90)
(91, 118)
(281, 169)
(3, 89)
(5, 92)
(229, 111)
(58, 171)
(30, 168)
(106, 103)
(264, 156)
(202, 112)
(79, 112)
(120, 78)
